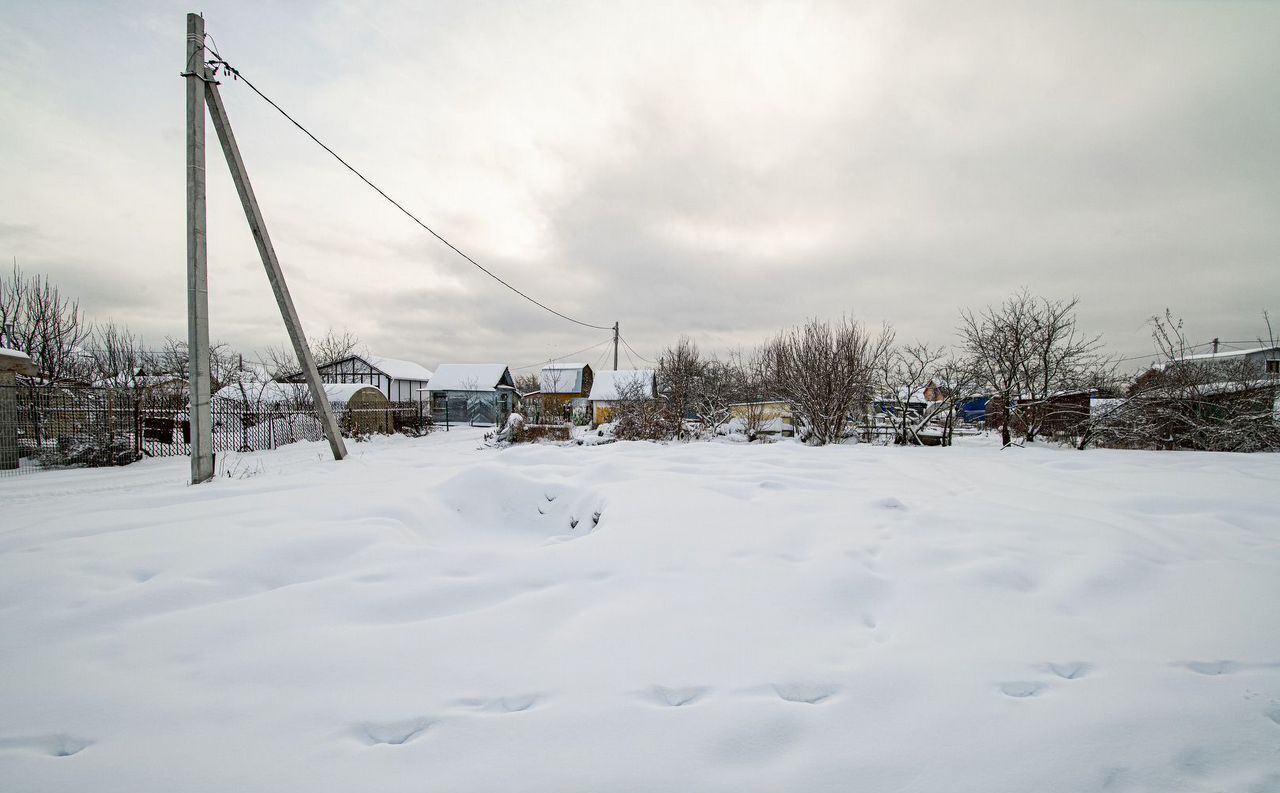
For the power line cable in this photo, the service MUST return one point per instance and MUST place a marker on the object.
(562, 357)
(627, 344)
(219, 61)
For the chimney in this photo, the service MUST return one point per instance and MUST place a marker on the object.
(1215, 345)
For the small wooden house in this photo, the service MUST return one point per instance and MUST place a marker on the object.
(562, 387)
(622, 385)
(471, 393)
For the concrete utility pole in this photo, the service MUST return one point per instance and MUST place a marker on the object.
(218, 114)
(615, 346)
(197, 260)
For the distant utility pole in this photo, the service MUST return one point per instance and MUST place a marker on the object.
(615, 346)
(197, 273)
(207, 88)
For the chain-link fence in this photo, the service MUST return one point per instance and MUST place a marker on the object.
(44, 427)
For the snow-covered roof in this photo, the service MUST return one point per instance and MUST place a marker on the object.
(398, 369)
(272, 392)
(16, 361)
(468, 377)
(561, 378)
(1213, 356)
(608, 385)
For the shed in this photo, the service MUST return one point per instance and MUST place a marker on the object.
(562, 387)
(620, 385)
(474, 393)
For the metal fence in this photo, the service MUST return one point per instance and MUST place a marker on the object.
(43, 427)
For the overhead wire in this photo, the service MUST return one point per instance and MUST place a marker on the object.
(638, 355)
(219, 61)
(562, 357)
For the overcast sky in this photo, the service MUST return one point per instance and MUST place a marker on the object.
(719, 170)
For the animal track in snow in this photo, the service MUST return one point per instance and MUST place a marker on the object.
(56, 745)
(806, 693)
(1071, 670)
(392, 733)
(677, 697)
(889, 503)
(1021, 689)
(1212, 668)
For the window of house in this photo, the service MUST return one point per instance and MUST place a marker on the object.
(1273, 366)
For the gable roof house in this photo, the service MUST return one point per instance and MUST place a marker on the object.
(562, 387)
(398, 380)
(613, 387)
(473, 393)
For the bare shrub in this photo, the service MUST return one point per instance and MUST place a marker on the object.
(638, 416)
(829, 372)
(1205, 404)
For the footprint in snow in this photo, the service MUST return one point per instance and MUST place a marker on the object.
(890, 503)
(1273, 714)
(1071, 670)
(677, 697)
(806, 693)
(512, 703)
(392, 733)
(57, 745)
(1021, 689)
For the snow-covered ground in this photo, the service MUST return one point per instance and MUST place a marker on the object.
(430, 616)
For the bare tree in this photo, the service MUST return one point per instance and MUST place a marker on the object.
(528, 383)
(332, 345)
(829, 372)
(959, 385)
(225, 365)
(996, 342)
(679, 370)
(117, 356)
(1057, 358)
(37, 319)
(907, 370)
(1025, 352)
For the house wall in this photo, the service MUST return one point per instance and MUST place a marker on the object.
(602, 411)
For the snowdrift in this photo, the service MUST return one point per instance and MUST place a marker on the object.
(433, 616)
